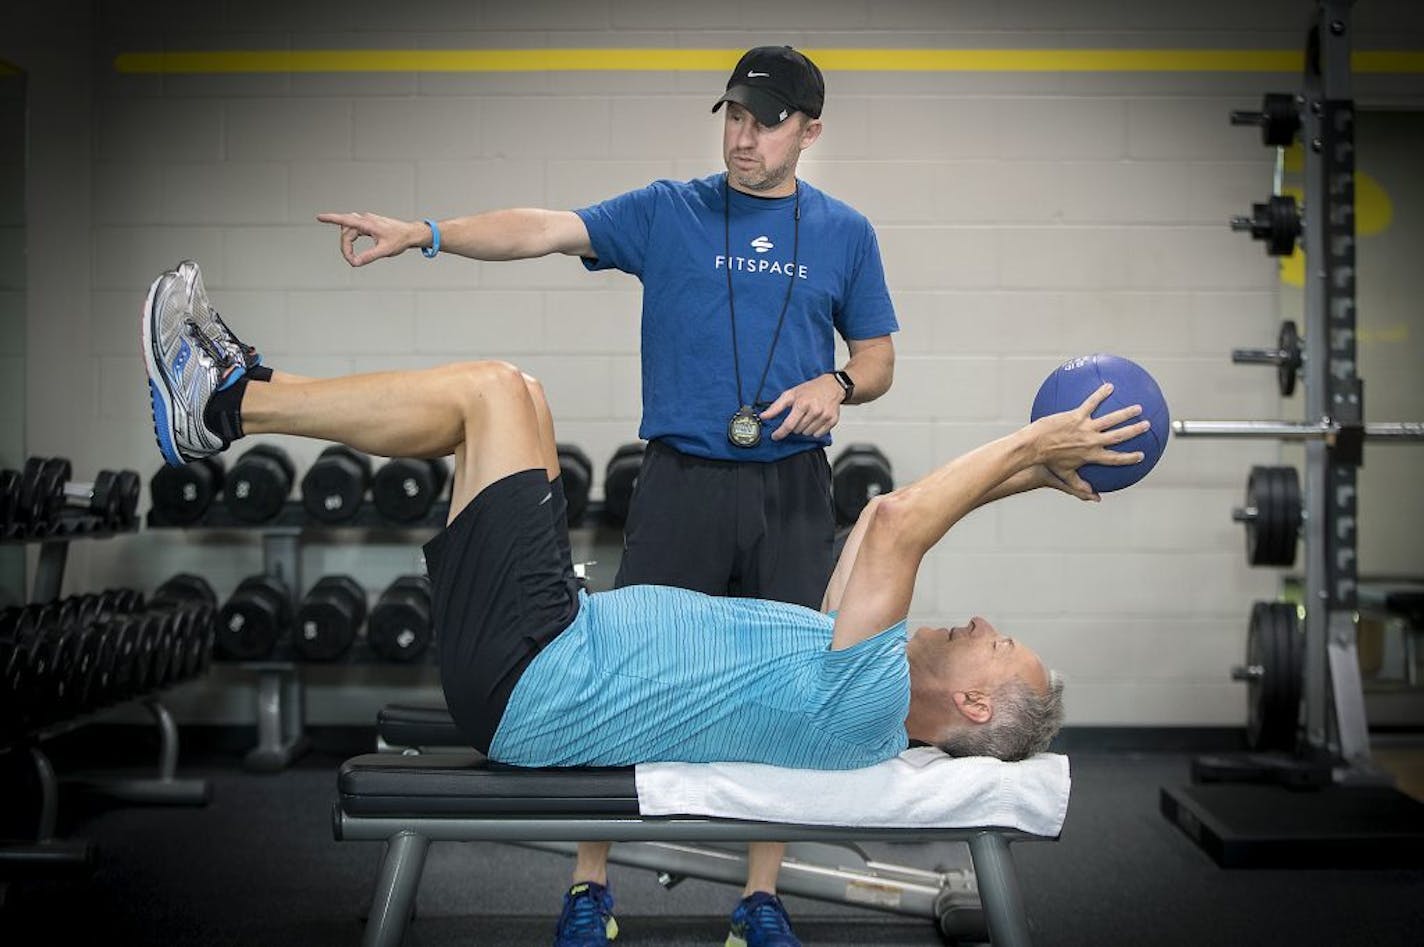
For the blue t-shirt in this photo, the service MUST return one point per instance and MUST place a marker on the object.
(652, 673)
(671, 236)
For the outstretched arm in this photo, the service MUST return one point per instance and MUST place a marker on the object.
(874, 590)
(1023, 481)
(515, 234)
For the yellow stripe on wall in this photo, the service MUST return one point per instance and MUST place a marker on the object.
(718, 60)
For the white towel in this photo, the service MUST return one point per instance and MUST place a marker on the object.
(922, 787)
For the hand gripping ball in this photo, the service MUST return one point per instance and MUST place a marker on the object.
(1072, 382)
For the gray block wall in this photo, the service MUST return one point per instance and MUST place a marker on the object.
(1024, 217)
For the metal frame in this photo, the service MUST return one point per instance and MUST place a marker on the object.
(408, 840)
(1334, 432)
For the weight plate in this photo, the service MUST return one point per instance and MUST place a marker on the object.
(1288, 368)
(1273, 697)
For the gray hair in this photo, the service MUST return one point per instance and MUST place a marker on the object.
(1024, 722)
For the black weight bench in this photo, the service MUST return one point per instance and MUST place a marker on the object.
(410, 800)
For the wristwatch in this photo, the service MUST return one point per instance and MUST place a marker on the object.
(846, 383)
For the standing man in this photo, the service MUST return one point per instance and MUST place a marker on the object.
(747, 276)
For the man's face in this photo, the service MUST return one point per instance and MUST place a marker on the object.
(974, 657)
(759, 158)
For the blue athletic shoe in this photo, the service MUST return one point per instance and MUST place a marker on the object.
(587, 919)
(185, 364)
(760, 920)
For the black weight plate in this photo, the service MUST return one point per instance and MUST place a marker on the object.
(1288, 342)
(1288, 494)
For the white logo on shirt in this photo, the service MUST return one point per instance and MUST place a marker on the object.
(762, 244)
(755, 75)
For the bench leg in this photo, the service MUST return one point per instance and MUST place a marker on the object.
(396, 889)
(999, 890)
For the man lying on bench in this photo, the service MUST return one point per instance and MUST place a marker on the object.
(537, 672)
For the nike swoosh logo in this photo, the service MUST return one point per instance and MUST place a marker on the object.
(547, 498)
(754, 75)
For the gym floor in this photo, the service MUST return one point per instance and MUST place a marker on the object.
(259, 866)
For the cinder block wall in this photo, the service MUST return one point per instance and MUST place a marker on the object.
(1024, 218)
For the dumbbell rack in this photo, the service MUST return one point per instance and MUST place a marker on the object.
(1373, 825)
(48, 854)
(280, 696)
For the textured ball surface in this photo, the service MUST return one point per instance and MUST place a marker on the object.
(1072, 382)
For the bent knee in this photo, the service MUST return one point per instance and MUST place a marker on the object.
(486, 379)
(534, 386)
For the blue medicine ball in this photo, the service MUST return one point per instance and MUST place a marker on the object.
(1077, 378)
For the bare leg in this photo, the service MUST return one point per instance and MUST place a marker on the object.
(287, 378)
(592, 863)
(483, 412)
(763, 865)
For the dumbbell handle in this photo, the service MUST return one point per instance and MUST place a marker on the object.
(1248, 672)
(78, 491)
(1245, 514)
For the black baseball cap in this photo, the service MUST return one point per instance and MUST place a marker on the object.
(774, 81)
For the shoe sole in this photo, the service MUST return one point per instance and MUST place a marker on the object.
(160, 397)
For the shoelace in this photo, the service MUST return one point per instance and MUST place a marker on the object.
(213, 350)
(243, 346)
(769, 916)
(583, 916)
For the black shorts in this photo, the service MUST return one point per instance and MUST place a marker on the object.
(502, 588)
(753, 529)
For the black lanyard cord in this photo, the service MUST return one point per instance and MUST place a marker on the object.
(731, 303)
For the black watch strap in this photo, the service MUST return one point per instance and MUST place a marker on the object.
(846, 383)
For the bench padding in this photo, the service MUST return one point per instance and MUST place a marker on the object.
(468, 785)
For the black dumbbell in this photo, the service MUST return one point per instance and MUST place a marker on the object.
(9, 498)
(253, 619)
(335, 484)
(619, 478)
(859, 474)
(328, 618)
(125, 632)
(181, 495)
(123, 600)
(405, 488)
(399, 629)
(111, 497)
(183, 589)
(576, 474)
(259, 483)
(90, 674)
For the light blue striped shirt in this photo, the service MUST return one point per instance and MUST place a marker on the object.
(651, 673)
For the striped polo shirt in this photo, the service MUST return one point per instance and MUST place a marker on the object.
(650, 673)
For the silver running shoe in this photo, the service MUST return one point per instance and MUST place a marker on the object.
(185, 366)
(208, 320)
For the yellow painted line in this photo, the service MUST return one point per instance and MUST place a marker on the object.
(719, 60)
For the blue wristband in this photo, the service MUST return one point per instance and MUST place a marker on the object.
(434, 248)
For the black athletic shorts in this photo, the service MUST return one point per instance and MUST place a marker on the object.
(752, 529)
(502, 588)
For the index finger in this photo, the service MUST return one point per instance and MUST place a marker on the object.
(344, 220)
(777, 406)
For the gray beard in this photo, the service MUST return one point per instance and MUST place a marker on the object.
(773, 178)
